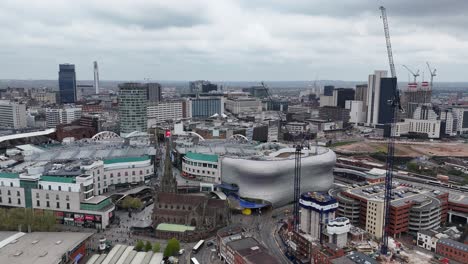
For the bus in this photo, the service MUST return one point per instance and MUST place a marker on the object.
(197, 247)
(194, 261)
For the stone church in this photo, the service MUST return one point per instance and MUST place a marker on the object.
(197, 210)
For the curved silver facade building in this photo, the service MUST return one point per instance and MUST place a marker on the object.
(271, 178)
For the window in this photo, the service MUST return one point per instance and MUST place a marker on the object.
(57, 197)
(2, 183)
(118, 174)
(126, 173)
(147, 171)
(68, 205)
(60, 188)
(38, 203)
(98, 178)
(141, 172)
(50, 187)
(11, 184)
(40, 186)
(67, 198)
(133, 173)
(105, 177)
(58, 204)
(9, 192)
(48, 204)
(112, 175)
(17, 193)
(47, 196)
(19, 201)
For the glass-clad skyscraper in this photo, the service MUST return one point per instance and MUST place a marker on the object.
(132, 108)
(67, 83)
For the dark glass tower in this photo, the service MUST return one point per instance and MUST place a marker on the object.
(67, 83)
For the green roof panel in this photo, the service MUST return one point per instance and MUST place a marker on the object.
(126, 159)
(9, 175)
(58, 179)
(202, 157)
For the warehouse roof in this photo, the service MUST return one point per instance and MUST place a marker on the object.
(58, 179)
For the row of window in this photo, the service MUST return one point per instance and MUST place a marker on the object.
(9, 200)
(9, 193)
(201, 164)
(38, 204)
(198, 171)
(125, 174)
(67, 197)
(41, 187)
(3, 184)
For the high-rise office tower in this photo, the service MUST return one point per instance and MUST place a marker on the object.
(317, 209)
(341, 95)
(132, 108)
(12, 115)
(203, 107)
(67, 83)
(154, 92)
(380, 90)
(96, 77)
(328, 90)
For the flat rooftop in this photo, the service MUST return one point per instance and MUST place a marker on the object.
(39, 247)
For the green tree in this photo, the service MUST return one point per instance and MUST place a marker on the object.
(129, 202)
(139, 245)
(156, 247)
(148, 246)
(172, 248)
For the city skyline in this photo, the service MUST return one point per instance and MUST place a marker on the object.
(230, 40)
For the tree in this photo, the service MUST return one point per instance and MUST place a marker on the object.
(139, 245)
(172, 248)
(129, 202)
(148, 246)
(156, 247)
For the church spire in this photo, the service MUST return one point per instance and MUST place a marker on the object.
(168, 181)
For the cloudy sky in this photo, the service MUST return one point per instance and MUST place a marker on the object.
(231, 39)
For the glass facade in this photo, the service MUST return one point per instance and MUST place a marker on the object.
(28, 185)
(206, 107)
(67, 83)
(132, 108)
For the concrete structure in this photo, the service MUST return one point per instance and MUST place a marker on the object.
(165, 110)
(327, 100)
(375, 218)
(204, 107)
(328, 90)
(243, 105)
(12, 115)
(256, 91)
(317, 209)
(451, 122)
(43, 247)
(427, 239)
(297, 127)
(331, 113)
(380, 90)
(337, 231)
(43, 95)
(361, 95)
(132, 108)
(64, 115)
(413, 97)
(67, 83)
(356, 113)
(154, 94)
(96, 77)
(429, 128)
(203, 167)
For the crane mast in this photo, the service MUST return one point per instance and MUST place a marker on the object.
(395, 104)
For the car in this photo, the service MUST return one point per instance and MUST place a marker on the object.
(181, 252)
(209, 243)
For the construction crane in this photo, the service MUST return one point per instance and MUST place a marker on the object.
(415, 75)
(395, 104)
(431, 72)
(297, 167)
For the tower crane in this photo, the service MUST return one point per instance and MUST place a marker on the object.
(431, 72)
(415, 75)
(395, 104)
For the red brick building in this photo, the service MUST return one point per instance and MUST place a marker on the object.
(326, 253)
(453, 250)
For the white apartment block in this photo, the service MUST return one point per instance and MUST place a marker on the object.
(12, 115)
(243, 105)
(162, 111)
(57, 116)
(71, 198)
(430, 127)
